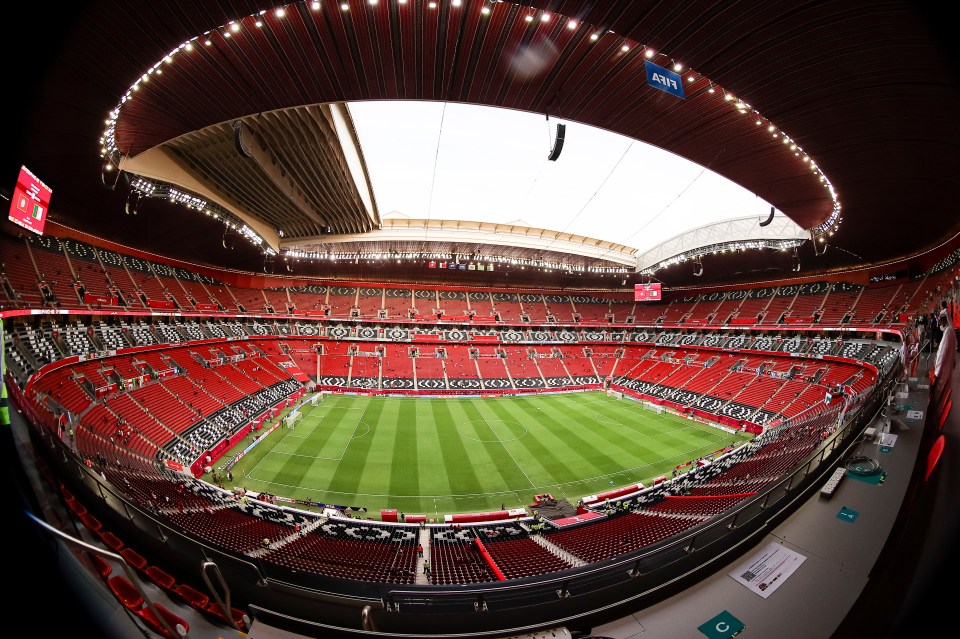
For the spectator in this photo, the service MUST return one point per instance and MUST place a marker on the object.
(934, 330)
(946, 355)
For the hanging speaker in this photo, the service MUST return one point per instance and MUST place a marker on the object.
(769, 219)
(238, 138)
(558, 143)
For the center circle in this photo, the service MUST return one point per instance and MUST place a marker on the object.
(357, 434)
(491, 430)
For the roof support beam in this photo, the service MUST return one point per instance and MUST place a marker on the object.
(257, 152)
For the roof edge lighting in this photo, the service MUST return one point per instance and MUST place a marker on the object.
(694, 255)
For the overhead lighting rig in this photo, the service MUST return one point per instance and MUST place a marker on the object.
(142, 188)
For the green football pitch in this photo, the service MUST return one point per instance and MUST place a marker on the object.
(440, 456)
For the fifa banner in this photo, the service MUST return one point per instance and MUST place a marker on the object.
(30, 202)
(664, 79)
(647, 292)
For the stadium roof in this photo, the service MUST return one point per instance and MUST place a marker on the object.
(865, 91)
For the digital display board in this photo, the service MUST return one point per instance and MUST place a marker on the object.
(647, 292)
(30, 202)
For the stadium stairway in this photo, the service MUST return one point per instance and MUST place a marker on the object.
(424, 541)
(557, 551)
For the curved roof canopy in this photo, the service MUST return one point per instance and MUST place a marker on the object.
(816, 109)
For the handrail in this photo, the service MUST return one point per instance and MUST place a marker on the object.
(207, 568)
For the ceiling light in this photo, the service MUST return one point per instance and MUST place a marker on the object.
(315, 5)
(544, 17)
(677, 67)
(259, 23)
(594, 36)
(528, 18)
(485, 11)
(432, 5)
(234, 27)
(280, 12)
(344, 6)
(625, 48)
(649, 53)
(572, 24)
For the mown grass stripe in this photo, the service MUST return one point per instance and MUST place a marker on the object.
(457, 466)
(353, 466)
(405, 466)
(436, 456)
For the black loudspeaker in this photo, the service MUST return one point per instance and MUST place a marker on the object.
(558, 143)
(238, 138)
(769, 219)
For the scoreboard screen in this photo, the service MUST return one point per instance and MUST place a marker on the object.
(30, 202)
(647, 292)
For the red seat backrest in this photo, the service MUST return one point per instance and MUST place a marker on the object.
(125, 592)
(934, 456)
(944, 415)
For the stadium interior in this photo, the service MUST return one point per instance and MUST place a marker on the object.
(203, 275)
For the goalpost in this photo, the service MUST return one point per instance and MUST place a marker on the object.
(294, 418)
(317, 398)
(614, 394)
(654, 408)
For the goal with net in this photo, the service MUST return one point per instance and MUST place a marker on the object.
(653, 408)
(317, 398)
(294, 418)
(614, 394)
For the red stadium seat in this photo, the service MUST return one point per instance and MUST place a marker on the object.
(79, 509)
(934, 456)
(112, 541)
(92, 523)
(192, 596)
(240, 618)
(160, 577)
(125, 592)
(102, 565)
(179, 625)
(946, 396)
(944, 414)
(134, 558)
